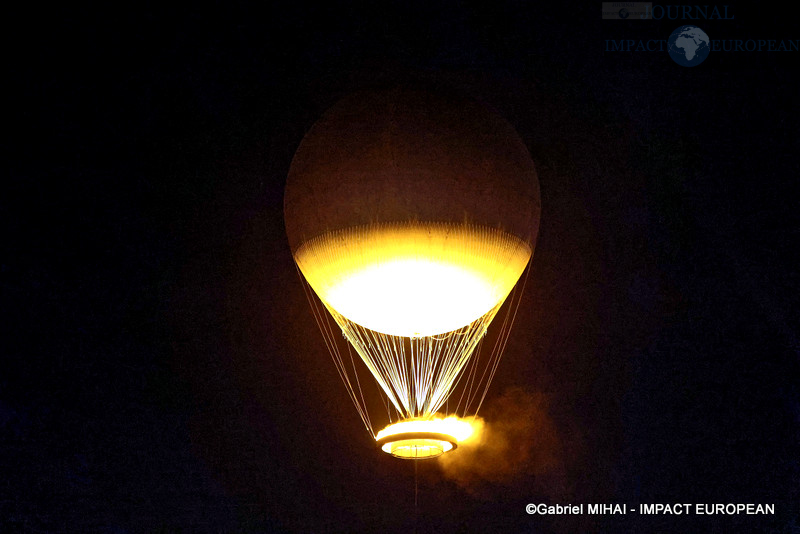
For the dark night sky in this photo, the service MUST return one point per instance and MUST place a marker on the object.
(161, 369)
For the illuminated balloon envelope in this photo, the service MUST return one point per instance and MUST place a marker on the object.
(412, 216)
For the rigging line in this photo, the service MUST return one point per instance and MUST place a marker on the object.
(407, 373)
(442, 360)
(365, 345)
(360, 392)
(439, 354)
(425, 347)
(460, 356)
(380, 353)
(418, 351)
(513, 318)
(361, 407)
(317, 315)
(386, 349)
(414, 361)
(471, 371)
(362, 344)
(436, 355)
(361, 348)
(494, 350)
(432, 350)
(414, 365)
(470, 376)
(327, 336)
(426, 350)
(472, 380)
(333, 349)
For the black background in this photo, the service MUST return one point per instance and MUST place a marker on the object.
(161, 369)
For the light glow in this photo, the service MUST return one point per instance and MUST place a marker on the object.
(423, 438)
(453, 426)
(417, 448)
(413, 279)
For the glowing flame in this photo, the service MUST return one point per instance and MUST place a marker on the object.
(459, 429)
(424, 438)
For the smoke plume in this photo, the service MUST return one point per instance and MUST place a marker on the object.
(515, 438)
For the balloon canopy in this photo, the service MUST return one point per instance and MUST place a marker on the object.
(412, 215)
(410, 155)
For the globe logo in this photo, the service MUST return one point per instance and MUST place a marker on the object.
(688, 46)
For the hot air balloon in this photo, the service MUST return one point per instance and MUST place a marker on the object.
(411, 215)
